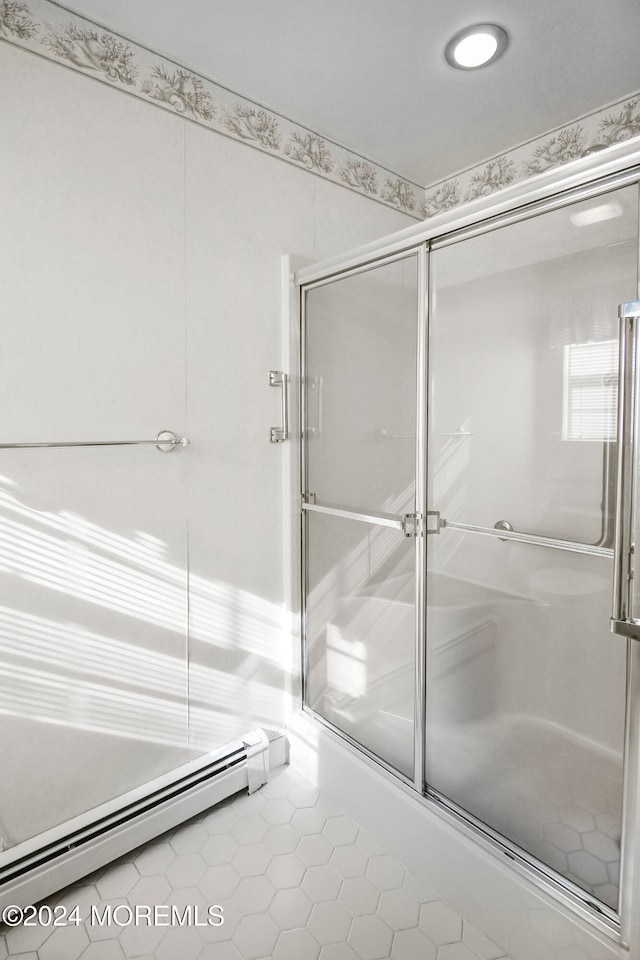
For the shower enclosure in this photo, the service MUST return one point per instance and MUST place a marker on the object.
(462, 435)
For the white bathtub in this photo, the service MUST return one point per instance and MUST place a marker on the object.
(533, 780)
(362, 666)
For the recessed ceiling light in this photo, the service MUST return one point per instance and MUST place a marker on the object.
(476, 46)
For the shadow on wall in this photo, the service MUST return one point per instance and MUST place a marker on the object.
(57, 671)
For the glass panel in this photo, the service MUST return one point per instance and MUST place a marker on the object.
(525, 683)
(93, 606)
(523, 368)
(361, 389)
(361, 634)
(525, 701)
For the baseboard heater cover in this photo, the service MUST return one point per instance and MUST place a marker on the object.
(48, 863)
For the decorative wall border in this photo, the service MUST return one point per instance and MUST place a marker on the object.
(65, 37)
(595, 131)
(52, 31)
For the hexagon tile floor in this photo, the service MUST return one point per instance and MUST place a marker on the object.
(298, 880)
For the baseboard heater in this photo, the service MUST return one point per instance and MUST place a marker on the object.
(46, 864)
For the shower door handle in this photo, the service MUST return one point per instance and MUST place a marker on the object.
(625, 619)
(279, 379)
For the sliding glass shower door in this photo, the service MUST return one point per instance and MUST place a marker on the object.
(362, 338)
(525, 705)
(474, 656)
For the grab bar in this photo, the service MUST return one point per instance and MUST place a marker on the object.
(608, 506)
(503, 534)
(165, 441)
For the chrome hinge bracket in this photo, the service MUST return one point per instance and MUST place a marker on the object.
(412, 524)
(433, 523)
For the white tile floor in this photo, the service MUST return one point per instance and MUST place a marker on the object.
(298, 880)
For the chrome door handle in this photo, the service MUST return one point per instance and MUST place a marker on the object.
(625, 620)
(279, 379)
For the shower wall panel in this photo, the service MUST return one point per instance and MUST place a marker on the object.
(93, 577)
(141, 593)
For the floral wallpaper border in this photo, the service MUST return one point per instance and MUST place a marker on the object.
(65, 37)
(593, 132)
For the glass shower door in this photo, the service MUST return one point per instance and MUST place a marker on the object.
(361, 344)
(526, 684)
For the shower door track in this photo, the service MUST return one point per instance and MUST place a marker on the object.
(544, 876)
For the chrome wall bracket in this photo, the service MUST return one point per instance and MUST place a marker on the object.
(279, 379)
(166, 441)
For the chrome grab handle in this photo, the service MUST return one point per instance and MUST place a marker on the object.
(623, 620)
(279, 379)
(501, 533)
(165, 441)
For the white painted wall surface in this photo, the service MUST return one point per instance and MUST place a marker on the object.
(140, 259)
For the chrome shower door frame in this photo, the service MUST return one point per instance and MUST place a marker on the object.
(399, 522)
(583, 179)
(625, 619)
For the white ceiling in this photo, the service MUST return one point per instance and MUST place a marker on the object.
(371, 74)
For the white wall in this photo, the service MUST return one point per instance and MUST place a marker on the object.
(141, 259)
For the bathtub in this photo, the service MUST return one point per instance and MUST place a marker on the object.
(362, 664)
(531, 779)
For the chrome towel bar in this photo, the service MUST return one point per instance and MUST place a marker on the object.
(165, 441)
